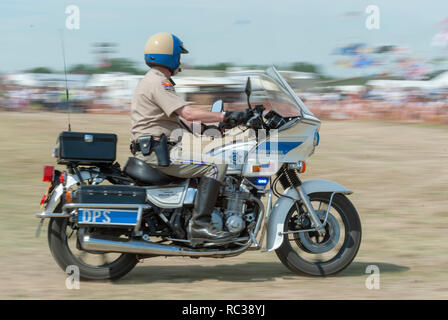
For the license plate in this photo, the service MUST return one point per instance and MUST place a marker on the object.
(108, 217)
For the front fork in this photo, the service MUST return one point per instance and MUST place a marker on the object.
(290, 178)
(310, 210)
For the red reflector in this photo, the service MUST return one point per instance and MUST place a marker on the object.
(43, 199)
(48, 173)
(63, 177)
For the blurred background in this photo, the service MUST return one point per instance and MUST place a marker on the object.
(375, 73)
(350, 60)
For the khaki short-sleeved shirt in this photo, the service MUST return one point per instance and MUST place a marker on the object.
(153, 106)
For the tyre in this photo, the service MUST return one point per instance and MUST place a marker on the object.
(62, 240)
(308, 253)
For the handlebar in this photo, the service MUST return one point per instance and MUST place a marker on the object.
(271, 120)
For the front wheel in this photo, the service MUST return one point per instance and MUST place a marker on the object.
(62, 239)
(311, 254)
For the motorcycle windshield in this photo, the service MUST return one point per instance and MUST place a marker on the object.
(293, 104)
(271, 90)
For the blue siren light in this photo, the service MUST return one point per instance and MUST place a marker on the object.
(261, 181)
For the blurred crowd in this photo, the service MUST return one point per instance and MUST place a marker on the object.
(15, 98)
(393, 104)
(398, 104)
(29, 99)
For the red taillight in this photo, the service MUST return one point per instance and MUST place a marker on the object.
(48, 173)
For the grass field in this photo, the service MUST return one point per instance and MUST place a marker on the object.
(399, 173)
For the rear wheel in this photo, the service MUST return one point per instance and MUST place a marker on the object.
(62, 240)
(311, 254)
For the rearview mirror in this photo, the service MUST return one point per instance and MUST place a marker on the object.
(217, 106)
(248, 91)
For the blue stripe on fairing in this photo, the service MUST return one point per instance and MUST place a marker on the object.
(283, 147)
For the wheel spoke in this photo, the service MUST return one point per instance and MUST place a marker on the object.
(314, 239)
(104, 259)
(312, 248)
(82, 255)
(85, 257)
(71, 233)
(319, 258)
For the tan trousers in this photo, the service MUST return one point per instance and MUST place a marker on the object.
(186, 164)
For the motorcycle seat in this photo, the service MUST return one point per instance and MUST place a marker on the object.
(144, 174)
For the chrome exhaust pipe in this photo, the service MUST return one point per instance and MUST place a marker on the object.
(89, 243)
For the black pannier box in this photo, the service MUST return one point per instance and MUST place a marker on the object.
(86, 148)
(108, 194)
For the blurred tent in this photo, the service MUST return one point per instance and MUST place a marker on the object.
(74, 81)
(439, 82)
(53, 80)
(198, 84)
(296, 79)
(113, 80)
(116, 89)
(21, 79)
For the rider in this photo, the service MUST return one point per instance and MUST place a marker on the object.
(155, 112)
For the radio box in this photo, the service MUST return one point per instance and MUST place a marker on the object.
(86, 148)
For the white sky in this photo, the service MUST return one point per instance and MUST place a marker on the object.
(237, 31)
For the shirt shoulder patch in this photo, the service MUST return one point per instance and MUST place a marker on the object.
(168, 86)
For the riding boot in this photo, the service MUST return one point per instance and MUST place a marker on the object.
(200, 227)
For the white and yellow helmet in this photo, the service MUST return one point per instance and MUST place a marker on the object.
(164, 49)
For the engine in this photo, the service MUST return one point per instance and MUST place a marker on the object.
(234, 213)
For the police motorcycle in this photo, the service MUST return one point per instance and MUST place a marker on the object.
(104, 219)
